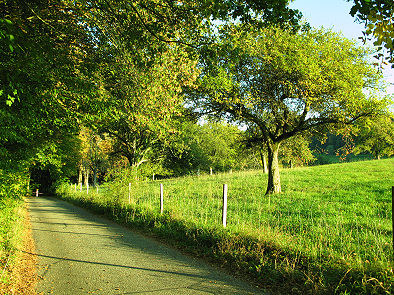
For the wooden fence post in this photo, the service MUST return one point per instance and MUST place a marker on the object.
(153, 176)
(36, 192)
(224, 213)
(161, 199)
(210, 171)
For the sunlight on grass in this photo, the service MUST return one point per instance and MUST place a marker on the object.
(338, 212)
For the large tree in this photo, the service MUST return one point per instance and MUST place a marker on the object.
(44, 83)
(148, 50)
(138, 101)
(286, 83)
(62, 62)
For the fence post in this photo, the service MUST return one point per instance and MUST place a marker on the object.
(224, 213)
(129, 192)
(161, 199)
(153, 176)
(210, 170)
(36, 192)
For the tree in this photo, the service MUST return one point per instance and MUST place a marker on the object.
(295, 151)
(285, 84)
(378, 17)
(148, 51)
(375, 136)
(43, 81)
(139, 101)
(201, 147)
(62, 62)
(95, 151)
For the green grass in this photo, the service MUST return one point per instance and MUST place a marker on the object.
(330, 231)
(12, 190)
(10, 236)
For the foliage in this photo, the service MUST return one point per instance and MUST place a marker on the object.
(295, 151)
(284, 84)
(64, 62)
(198, 147)
(377, 15)
(10, 237)
(376, 136)
(46, 73)
(12, 189)
(95, 152)
(333, 220)
(139, 103)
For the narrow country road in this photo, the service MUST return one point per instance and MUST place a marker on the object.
(80, 253)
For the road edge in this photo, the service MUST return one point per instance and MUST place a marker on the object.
(24, 273)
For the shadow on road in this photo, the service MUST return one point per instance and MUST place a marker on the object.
(117, 265)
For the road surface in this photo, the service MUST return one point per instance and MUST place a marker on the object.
(80, 253)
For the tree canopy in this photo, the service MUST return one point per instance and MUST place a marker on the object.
(121, 69)
(376, 136)
(287, 84)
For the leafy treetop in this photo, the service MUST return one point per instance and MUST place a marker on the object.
(378, 17)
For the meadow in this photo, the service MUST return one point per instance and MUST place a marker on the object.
(330, 231)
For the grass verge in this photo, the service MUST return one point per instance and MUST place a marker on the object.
(329, 233)
(11, 229)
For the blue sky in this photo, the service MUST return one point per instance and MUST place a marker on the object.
(334, 14)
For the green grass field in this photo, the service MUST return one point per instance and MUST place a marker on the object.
(330, 231)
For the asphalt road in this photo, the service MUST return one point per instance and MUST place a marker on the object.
(80, 253)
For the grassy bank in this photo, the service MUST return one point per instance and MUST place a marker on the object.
(329, 232)
(12, 190)
(10, 238)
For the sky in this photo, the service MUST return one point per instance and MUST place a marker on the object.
(334, 14)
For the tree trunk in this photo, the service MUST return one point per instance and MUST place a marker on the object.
(95, 177)
(264, 162)
(87, 176)
(273, 169)
(80, 171)
(28, 181)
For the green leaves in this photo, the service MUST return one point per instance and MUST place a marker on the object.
(116, 66)
(379, 25)
(302, 81)
(376, 136)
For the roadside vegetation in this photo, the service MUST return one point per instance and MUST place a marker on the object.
(329, 232)
(11, 226)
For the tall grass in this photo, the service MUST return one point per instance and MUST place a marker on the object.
(332, 222)
(12, 188)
